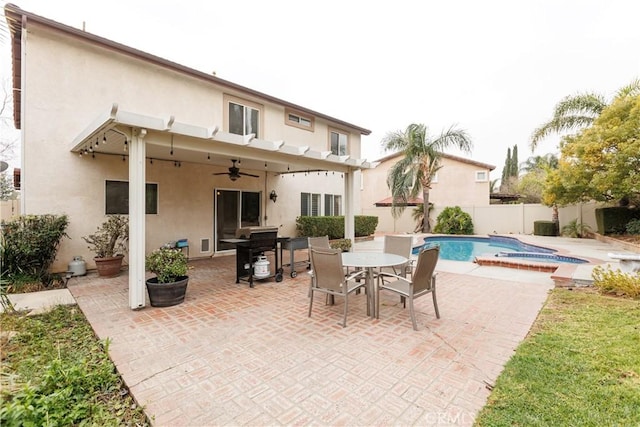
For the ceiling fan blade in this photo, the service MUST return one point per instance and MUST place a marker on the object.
(220, 173)
(248, 174)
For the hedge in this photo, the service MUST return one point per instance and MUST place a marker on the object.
(333, 226)
(614, 220)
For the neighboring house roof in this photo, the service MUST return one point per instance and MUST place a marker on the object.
(444, 155)
(389, 202)
(17, 19)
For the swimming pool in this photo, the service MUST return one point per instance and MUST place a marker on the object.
(466, 248)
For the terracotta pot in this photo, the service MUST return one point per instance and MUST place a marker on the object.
(109, 267)
(167, 294)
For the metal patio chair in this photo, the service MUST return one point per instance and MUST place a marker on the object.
(329, 277)
(422, 282)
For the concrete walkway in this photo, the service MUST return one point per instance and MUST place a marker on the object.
(232, 355)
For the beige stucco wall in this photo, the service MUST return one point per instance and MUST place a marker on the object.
(501, 219)
(456, 186)
(68, 83)
(9, 209)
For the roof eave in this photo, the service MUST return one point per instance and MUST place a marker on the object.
(17, 19)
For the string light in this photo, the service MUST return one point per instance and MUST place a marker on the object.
(104, 138)
(125, 144)
(208, 156)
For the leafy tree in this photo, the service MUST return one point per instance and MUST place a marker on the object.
(577, 112)
(534, 173)
(603, 161)
(413, 173)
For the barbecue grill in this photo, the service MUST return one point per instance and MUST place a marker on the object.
(251, 243)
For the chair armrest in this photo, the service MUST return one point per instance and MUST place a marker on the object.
(355, 275)
(395, 276)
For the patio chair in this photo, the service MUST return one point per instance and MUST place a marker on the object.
(329, 277)
(321, 242)
(422, 282)
(398, 245)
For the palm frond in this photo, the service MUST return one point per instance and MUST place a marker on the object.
(632, 89)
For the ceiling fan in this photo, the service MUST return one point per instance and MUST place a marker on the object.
(234, 172)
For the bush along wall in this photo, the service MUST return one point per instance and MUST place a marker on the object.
(333, 226)
(614, 220)
(30, 244)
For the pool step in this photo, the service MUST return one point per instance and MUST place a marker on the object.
(569, 276)
(520, 264)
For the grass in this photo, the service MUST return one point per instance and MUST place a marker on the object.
(580, 365)
(56, 372)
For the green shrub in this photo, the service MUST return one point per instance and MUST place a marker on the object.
(633, 226)
(343, 244)
(333, 226)
(169, 264)
(30, 244)
(453, 220)
(575, 229)
(613, 220)
(544, 228)
(616, 282)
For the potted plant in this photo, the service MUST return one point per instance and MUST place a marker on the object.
(109, 243)
(170, 284)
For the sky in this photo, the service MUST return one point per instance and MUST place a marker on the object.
(494, 68)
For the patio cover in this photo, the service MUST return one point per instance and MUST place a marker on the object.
(155, 137)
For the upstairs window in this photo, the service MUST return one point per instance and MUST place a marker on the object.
(309, 204)
(243, 117)
(293, 118)
(338, 142)
(481, 176)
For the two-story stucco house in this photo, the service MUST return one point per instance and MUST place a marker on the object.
(460, 182)
(106, 128)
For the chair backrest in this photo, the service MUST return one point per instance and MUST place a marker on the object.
(319, 242)
(426, 265)
(328, 271)
(398, 245)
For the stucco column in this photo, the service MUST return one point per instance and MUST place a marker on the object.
(350, 192)
(137, 175)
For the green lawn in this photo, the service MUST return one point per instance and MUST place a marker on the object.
(580, 366)
(55, 372)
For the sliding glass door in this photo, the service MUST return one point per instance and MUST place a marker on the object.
(234, 209)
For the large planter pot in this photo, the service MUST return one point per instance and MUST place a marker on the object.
(109, 267)
(167, 294)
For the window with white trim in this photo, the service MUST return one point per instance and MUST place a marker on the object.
(332, 205)
(309, 204)
(293, 118)
(242, 117)
(338, 142)
(117, 198)
(481, 176)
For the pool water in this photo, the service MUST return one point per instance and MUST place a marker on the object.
(467, 248)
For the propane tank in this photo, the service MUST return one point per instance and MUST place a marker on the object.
(261, 267)
(78, 267)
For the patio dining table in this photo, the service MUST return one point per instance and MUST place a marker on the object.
(370, 261)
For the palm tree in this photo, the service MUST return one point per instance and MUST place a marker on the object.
(413, 173)
(578, 111)
(548, 161)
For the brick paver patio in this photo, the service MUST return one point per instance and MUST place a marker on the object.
(232, 355)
